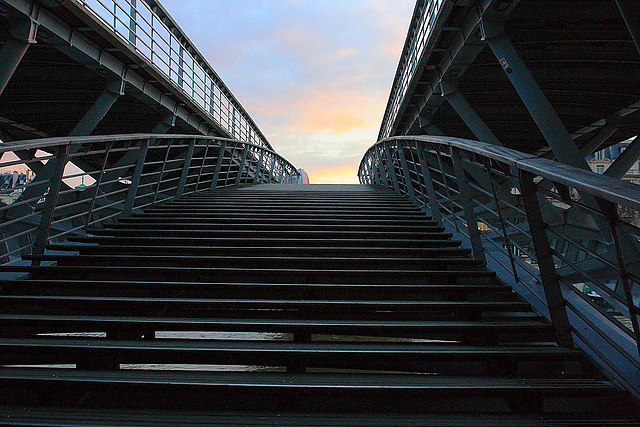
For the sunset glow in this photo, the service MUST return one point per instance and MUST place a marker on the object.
(314, 75)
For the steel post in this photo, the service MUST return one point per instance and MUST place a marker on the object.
(625, 161)
(99, 109)
(544, 255)
(406, 175)
(216, 172)
(467, 207)
(392, 171)
(428, 183)
(97, 184)
(51, 201)
(381, 170)
(185, 168)
(164, 165)
(135, 179)
(256, 178)
(242, 163)
(468, 115)
(202, 163)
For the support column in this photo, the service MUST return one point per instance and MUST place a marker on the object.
(544, 255)
(168, 122)
(185, 169)
(468, 115)
(242, 163)
(532, 96)
(625, 161)
(135, 179)
(22, 34)
(425, 122)
(216, 173)
(600, 138)
(99, 109)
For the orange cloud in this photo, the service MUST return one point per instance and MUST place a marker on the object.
(343, 174)
(336, 112)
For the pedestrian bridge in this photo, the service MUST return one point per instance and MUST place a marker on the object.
(167, 266)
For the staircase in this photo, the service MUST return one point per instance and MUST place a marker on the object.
(285, 305)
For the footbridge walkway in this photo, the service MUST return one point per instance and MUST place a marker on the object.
(162, 264)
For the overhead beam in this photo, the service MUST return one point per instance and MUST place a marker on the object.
(625, 160)
(99, 109)
(22, 34)
(468, 115)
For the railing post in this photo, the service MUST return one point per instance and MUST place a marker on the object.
(241, 169)
(548, 274)
(51, 201)
(258, 167)
(135, 179)
(185, 168)
(204, 160)
(164, 165)
(98, 182)
(273, 165)
(405, 174)
(392, 170)
(216, 172)
(281, 177)
(467, 206)
(381, 171)
(611, 212)
(428, 183)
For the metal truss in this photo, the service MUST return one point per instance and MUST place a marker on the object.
(505, 219)
(81, 182)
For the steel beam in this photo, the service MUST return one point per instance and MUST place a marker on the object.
(99, 109)
(392, 170)
(55, 183)
(428, 183)
(544, 254)
(22, 34)
(406, 175)
(425, 122)
(600, 138)
(467, 207)
(468, 115)
(167, 123)
(242, 163)
(535, 100)
(625, 161)
(185, 168)
(135, 179)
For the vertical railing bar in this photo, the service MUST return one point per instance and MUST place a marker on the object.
(166, 157)
(242, 163)
(428, 182)
(467, 207)
(612, 214)
(405, 174)
(185, 168)
(546, 265)
(381, 169)
(446, 187)
(137, 175)
(50, 203)
(98, 182)
(507, 241)
(204, 160)
(216, 173)
(392, 169)
(258, 167)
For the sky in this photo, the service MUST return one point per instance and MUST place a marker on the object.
(314, 75)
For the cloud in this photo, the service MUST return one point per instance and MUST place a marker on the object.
(314, 74)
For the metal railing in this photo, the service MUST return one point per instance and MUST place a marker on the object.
(522, 215)
(82, 182)
(150, 31)
(423, 23)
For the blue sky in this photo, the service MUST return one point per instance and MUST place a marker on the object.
(314, 75)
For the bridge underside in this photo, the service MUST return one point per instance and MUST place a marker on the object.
(580, 54)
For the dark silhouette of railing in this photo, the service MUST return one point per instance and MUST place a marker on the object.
(84, 181)
(505, 195)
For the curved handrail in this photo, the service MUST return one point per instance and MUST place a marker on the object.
(602, 186)
(576, 262)
(81, 182)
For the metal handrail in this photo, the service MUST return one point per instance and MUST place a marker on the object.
(148, 29)
(502, 190)
(121, 174)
